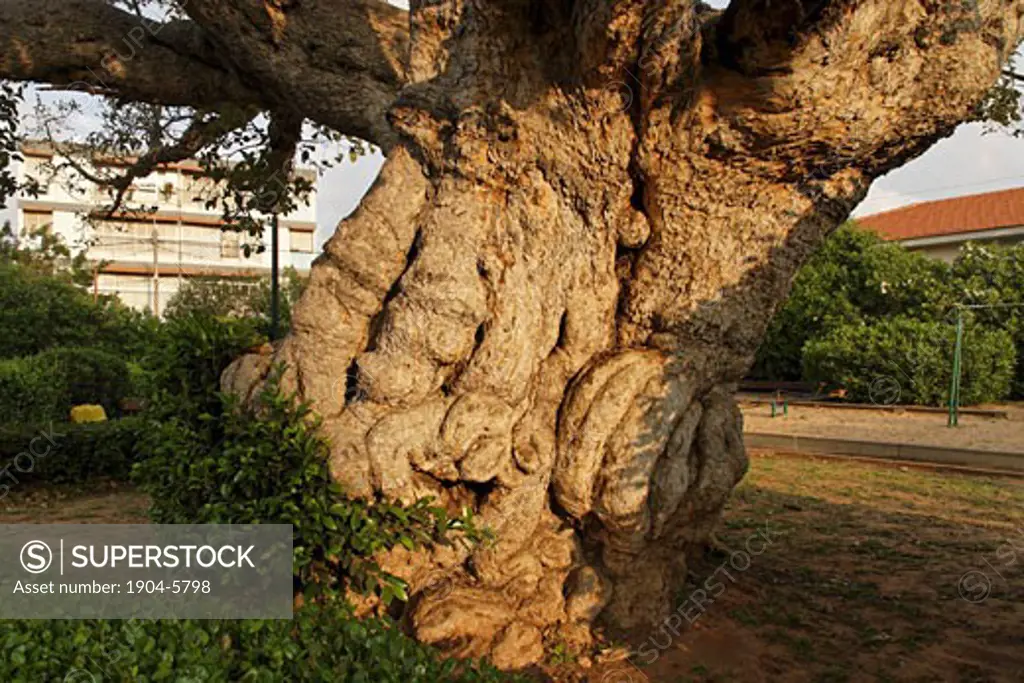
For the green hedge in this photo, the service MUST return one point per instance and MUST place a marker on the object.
(39, 311)
(65, 453)
(322, 643)
(909, 361)
(854, 278)
(268, 464)
(191, 352)
(47, 385)
(994, 276)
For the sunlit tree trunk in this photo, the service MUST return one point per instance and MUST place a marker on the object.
(589, 212)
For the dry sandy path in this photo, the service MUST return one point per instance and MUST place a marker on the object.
(925, 429)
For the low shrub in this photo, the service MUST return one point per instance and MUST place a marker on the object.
(248, 297)
(30, 392)
(66, 453)
(909, 361)
(42, 310)
(47, 385)
(184, 366)
(91, 376)
(267, 464)
(322, 643)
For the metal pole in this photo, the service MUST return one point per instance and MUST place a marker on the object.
(275, 293)
(156, 271)
(954, 386)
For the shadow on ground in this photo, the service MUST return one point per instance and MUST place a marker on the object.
(873, 573)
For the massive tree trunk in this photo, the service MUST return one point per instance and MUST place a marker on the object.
(589, 212)
(542, 308)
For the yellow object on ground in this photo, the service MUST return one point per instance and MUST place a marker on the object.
(88, 413)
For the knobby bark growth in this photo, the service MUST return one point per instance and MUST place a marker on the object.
(589, 211)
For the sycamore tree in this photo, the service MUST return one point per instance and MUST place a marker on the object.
(589, 211)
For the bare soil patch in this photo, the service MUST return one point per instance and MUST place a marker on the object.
(104, 502)
(924, 429)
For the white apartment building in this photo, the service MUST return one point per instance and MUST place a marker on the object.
(143, 257)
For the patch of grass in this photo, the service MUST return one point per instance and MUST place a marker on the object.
(863, 572)
(560, 655)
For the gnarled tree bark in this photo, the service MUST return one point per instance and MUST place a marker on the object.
(589, 212)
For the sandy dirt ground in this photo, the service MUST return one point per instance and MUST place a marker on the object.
(924, 429)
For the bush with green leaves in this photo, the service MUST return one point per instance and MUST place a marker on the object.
(65, 453)
(40, 310)
(855, 278)
(185, 363)
(248, 297)
(993, 277)
(322, 643)
(908, 361)
(47, 385)
(46, 253)
(268, 464)
(858, 282)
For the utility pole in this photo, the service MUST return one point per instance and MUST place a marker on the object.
(156, 271)
(275, 288)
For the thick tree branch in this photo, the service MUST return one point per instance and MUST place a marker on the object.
(928, 64)
(89, 46)
(758, 37)
(338, 63)
(284, 134)
(804, 103)
(204, 130)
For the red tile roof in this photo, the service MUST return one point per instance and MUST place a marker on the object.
(1003, 209)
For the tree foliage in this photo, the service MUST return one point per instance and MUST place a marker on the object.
(40, 310)
(248, 297)
(45, 253)
(1003, 108)
(856, 278)
(906, 360)
(994, 277)
(863, 309)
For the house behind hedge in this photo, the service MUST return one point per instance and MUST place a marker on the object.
(940, 228)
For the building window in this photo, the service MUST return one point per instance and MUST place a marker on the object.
(37, 222)
(229, 244)
(302, 241)
(39, 172)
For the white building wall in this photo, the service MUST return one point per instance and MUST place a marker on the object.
(189, 238)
